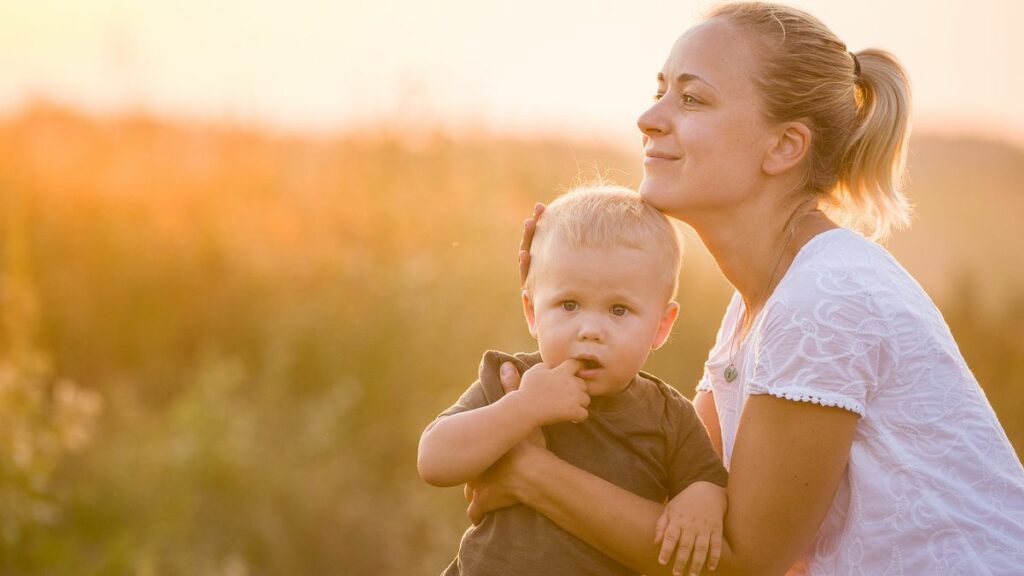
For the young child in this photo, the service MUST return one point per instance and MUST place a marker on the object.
(598, 298)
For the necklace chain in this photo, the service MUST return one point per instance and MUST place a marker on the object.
(730, 370)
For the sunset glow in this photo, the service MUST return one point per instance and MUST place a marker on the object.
(560, 68)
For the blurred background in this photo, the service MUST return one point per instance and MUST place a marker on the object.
(249, 250)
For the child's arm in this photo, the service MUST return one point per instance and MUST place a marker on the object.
(692, 521)
(456, 448)
(689, 530)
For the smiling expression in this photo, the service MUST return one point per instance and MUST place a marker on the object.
(705, 135)
(603, 307)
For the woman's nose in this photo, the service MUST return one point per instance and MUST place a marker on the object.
(652, 121)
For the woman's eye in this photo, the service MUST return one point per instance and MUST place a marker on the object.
(570, 306)
(689, 99)
(657, 96)
(619, 310)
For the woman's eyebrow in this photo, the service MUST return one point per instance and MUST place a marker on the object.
(684, 78)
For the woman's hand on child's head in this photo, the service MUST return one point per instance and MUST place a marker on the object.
(551, 395)
(529, 228)
(691, 526)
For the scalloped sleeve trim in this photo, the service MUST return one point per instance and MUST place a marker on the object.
(811, 396)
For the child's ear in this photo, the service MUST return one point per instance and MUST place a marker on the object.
(668, 318)
(528, 311)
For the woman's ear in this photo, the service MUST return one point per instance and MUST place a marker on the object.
(528, 311)
(668, 318)
(791, 145)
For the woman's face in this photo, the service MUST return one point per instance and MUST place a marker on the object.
(705, 136)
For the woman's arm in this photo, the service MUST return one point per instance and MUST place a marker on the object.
(787, 464)
(704, 404)
(615, 521)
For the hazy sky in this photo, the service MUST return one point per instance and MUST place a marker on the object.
(575, 68)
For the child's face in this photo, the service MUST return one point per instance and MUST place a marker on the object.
(607, 308)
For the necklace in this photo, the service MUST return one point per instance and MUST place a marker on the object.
(730, 370)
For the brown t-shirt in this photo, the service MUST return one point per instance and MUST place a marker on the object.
(646, 439)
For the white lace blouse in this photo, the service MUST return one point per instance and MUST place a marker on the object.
(932, 486)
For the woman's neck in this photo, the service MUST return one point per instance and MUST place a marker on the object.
(755, 244)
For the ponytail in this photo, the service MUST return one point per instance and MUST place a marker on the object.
(856, 106)
(869, 193)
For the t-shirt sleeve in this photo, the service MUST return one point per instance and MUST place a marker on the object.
(822, 342)
(487, 390)
(471, 399)
(691, 458)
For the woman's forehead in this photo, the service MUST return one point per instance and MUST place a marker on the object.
(711, 50)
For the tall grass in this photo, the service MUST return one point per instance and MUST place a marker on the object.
(268, 321)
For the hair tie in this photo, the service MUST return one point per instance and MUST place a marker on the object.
(856, 64)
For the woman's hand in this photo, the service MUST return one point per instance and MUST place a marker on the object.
(529, 228)
(497, 486)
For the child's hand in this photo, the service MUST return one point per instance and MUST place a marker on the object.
(692, 521)
(553, 395)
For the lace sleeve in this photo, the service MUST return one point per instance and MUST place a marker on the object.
(704, 385)
(821, 341)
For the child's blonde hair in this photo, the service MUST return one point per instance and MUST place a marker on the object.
(857, 107)
(604, 217)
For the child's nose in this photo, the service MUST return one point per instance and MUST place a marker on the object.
(590, 330)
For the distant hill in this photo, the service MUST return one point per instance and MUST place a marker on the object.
(969, 199)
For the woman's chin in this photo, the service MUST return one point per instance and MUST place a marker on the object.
(656, 194)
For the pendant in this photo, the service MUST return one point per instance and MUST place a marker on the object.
(730, 373)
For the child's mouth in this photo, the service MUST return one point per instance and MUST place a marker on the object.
(588, 367)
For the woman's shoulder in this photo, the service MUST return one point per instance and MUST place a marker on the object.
(841, 267)
(841, 250)
(851, 289)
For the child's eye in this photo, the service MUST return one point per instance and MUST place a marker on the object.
(570, 306)
(619, 310)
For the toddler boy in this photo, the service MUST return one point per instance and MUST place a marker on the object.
(598, 298)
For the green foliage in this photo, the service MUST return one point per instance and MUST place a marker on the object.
(271, 322)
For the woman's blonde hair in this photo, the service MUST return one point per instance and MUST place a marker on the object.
(602, 216)
(857, 107)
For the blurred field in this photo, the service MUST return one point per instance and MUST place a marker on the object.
(221, 344)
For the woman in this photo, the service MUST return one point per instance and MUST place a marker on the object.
(858, 441)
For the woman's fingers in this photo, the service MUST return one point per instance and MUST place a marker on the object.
(524, 267)
(475, 512)
(529, 228)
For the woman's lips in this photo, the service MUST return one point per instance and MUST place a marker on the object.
(654, 157)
